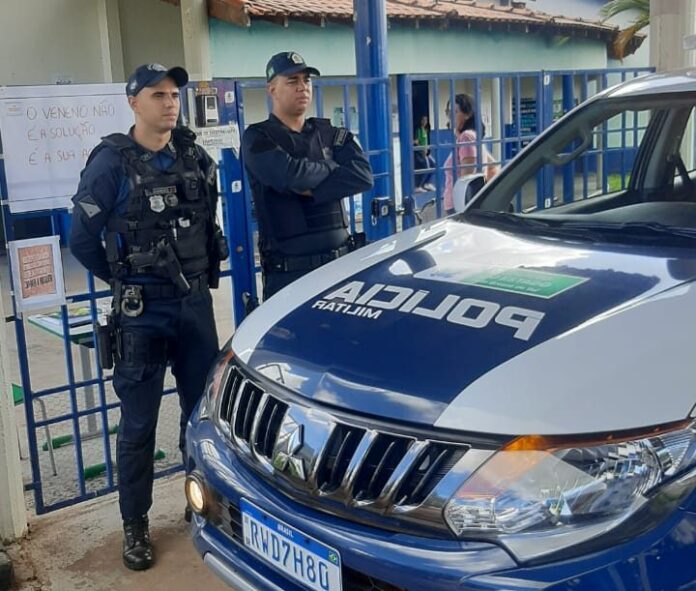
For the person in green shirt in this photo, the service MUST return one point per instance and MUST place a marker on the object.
(422, 158)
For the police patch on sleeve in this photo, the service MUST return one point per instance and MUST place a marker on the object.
(341, 136)
(89, 206)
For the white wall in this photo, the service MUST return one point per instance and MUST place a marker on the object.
(243, 52)
(47, 41)
(43, 41)
(150, 32)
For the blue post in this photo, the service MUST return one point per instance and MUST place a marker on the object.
(236, 206)
(568, 169)
(371, 63)
(544, 121)
(404, 90)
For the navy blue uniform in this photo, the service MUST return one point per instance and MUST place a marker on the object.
(298, 233)
(174, 328)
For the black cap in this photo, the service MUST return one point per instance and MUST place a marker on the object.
(151, 74)
(287, 64)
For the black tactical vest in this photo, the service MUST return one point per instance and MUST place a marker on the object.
(296, 216)
(164, 208)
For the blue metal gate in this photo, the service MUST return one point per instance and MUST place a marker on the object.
(514, 107)
(70, 419)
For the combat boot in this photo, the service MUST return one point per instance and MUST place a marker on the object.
(137, 548)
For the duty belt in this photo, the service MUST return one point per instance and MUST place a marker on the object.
(156, 291)
(295, 263)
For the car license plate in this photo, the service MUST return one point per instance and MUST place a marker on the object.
(294, 553)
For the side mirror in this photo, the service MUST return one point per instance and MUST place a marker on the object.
(465, 189)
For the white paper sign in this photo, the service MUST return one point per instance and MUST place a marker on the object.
(47, 135)
(37, 273)
(218, 137)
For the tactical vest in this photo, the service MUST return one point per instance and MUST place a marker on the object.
(163, 208)
(302, 216)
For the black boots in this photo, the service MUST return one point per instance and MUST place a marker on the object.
(137, 549)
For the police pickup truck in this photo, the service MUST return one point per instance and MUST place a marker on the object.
(502, 399)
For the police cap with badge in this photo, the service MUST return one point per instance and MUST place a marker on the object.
(152, 74)
(287, 63)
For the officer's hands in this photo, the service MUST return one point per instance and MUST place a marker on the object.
(306, 193)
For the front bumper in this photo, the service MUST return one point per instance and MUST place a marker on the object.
(663, 558)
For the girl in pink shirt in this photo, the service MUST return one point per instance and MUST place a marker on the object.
(465, 133)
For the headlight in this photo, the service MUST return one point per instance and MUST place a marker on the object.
(196, 493)
(216, 377)
(546, 484)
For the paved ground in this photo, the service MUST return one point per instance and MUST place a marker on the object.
(79, 549)
(47, 364)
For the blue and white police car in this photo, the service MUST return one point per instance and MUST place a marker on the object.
(500, 400)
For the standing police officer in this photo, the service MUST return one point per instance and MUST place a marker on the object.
(300, 170)
(151, 196)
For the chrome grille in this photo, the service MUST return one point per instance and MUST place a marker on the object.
(247, 402)
(319, 455)
(379, 465)
(341, 447)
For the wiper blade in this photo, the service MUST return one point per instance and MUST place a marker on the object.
(508, 219)
(535, 225)
(637, 229)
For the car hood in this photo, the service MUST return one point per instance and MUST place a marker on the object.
(470, 328)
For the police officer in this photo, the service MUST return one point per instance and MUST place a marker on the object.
(151, 197)
(300, 170)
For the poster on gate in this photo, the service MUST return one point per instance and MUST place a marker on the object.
(48, 132)
(37, 273)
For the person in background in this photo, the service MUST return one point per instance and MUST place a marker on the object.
(422, 157)
(466, 150)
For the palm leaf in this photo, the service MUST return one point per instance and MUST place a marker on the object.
(642, 20)
(615, 7)
(623, 39)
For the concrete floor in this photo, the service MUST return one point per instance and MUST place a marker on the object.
(46, 357)
(79, 549)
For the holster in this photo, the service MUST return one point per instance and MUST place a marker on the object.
(107, 343)
(357, 240)
(220, 251)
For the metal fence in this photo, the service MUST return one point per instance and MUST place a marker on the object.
(512, 108)
(70, 408)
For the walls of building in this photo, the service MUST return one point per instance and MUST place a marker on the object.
(59, 40)
(242, 52)
(238, 52)
(150, 32)
(47, 42)
(426, 50)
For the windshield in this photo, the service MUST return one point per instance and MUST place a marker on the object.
(618, 170)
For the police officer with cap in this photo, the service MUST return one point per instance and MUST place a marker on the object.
(300, 170)
(144, 221)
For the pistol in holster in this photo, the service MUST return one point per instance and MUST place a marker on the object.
(162, 260)
(219, 251)
(356, 240)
